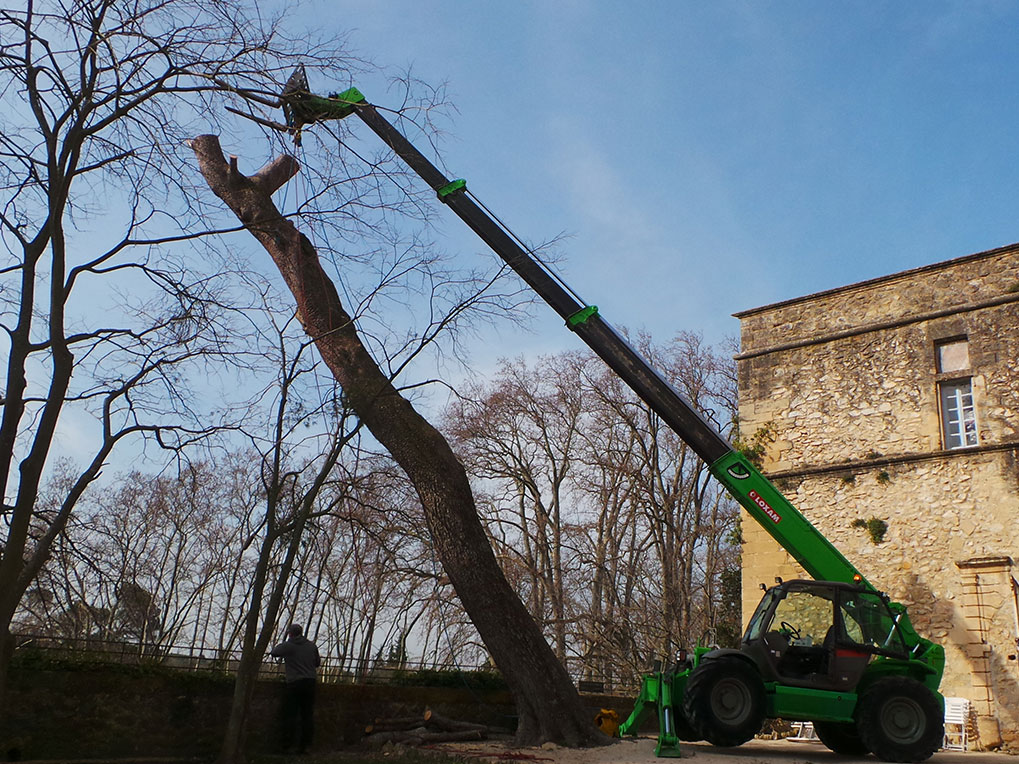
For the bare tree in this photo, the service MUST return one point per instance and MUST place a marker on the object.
(642, 536)
(140, 552)
(522, 431)
(297, 464)
(104, 317)
(548, 705)
(371, 564)
(682, 518)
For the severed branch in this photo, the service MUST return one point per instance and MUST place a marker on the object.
(429, 720)
(396, 724)
(261, 120)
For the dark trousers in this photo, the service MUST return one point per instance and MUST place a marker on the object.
(298, 713)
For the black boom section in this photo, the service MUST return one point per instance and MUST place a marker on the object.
(599, 335)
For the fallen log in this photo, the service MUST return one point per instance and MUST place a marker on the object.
(394, 724)
(432, 719)
(430, 727)
(421, 736)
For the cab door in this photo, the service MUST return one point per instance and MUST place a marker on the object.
(793, 640)
(805, 618)
(865, 627)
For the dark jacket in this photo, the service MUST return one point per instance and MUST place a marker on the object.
(300, 656)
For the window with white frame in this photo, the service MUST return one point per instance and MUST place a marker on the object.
(958, 415)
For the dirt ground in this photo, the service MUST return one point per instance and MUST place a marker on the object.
(642, 751)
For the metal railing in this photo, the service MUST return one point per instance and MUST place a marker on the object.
(334, 669)
(201, 659)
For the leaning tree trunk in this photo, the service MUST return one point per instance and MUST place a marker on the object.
(548, 705)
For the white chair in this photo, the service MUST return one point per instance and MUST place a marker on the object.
(956, 724)
(803, 731)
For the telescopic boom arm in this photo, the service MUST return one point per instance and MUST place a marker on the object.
(740, 477)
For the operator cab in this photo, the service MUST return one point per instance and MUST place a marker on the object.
(821, 634)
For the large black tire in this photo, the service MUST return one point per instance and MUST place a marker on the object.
(684, 730)
(900, 720)
(841, 737)
(724, 701)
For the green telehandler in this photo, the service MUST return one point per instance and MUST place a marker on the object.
(832, 650)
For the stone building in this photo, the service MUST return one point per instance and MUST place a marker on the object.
(891, 409)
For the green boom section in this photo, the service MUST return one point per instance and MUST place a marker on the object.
(818, 556)
(776, 514)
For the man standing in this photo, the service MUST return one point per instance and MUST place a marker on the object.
(301, 659)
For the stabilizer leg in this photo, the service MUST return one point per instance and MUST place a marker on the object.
(656, 692)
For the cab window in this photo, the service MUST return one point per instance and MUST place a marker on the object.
(754, 627)
(807, 616)
(869, 622)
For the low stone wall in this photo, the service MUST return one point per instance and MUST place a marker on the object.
(130, 711)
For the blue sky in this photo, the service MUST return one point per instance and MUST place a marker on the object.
(710, 157)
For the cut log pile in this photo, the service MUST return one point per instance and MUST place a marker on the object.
(429, 727)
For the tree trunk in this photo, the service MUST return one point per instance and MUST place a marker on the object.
(259, 626)
(6, 655)
(548, 705)
(232, 748)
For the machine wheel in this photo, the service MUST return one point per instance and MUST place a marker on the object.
(724, 701)
(841, 737)
(684, 730)
(900, 719)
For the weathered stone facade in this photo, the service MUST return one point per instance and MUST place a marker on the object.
(857, 385)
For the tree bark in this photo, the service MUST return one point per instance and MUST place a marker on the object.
(548, 705)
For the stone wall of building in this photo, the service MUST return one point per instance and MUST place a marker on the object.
(848, 382)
